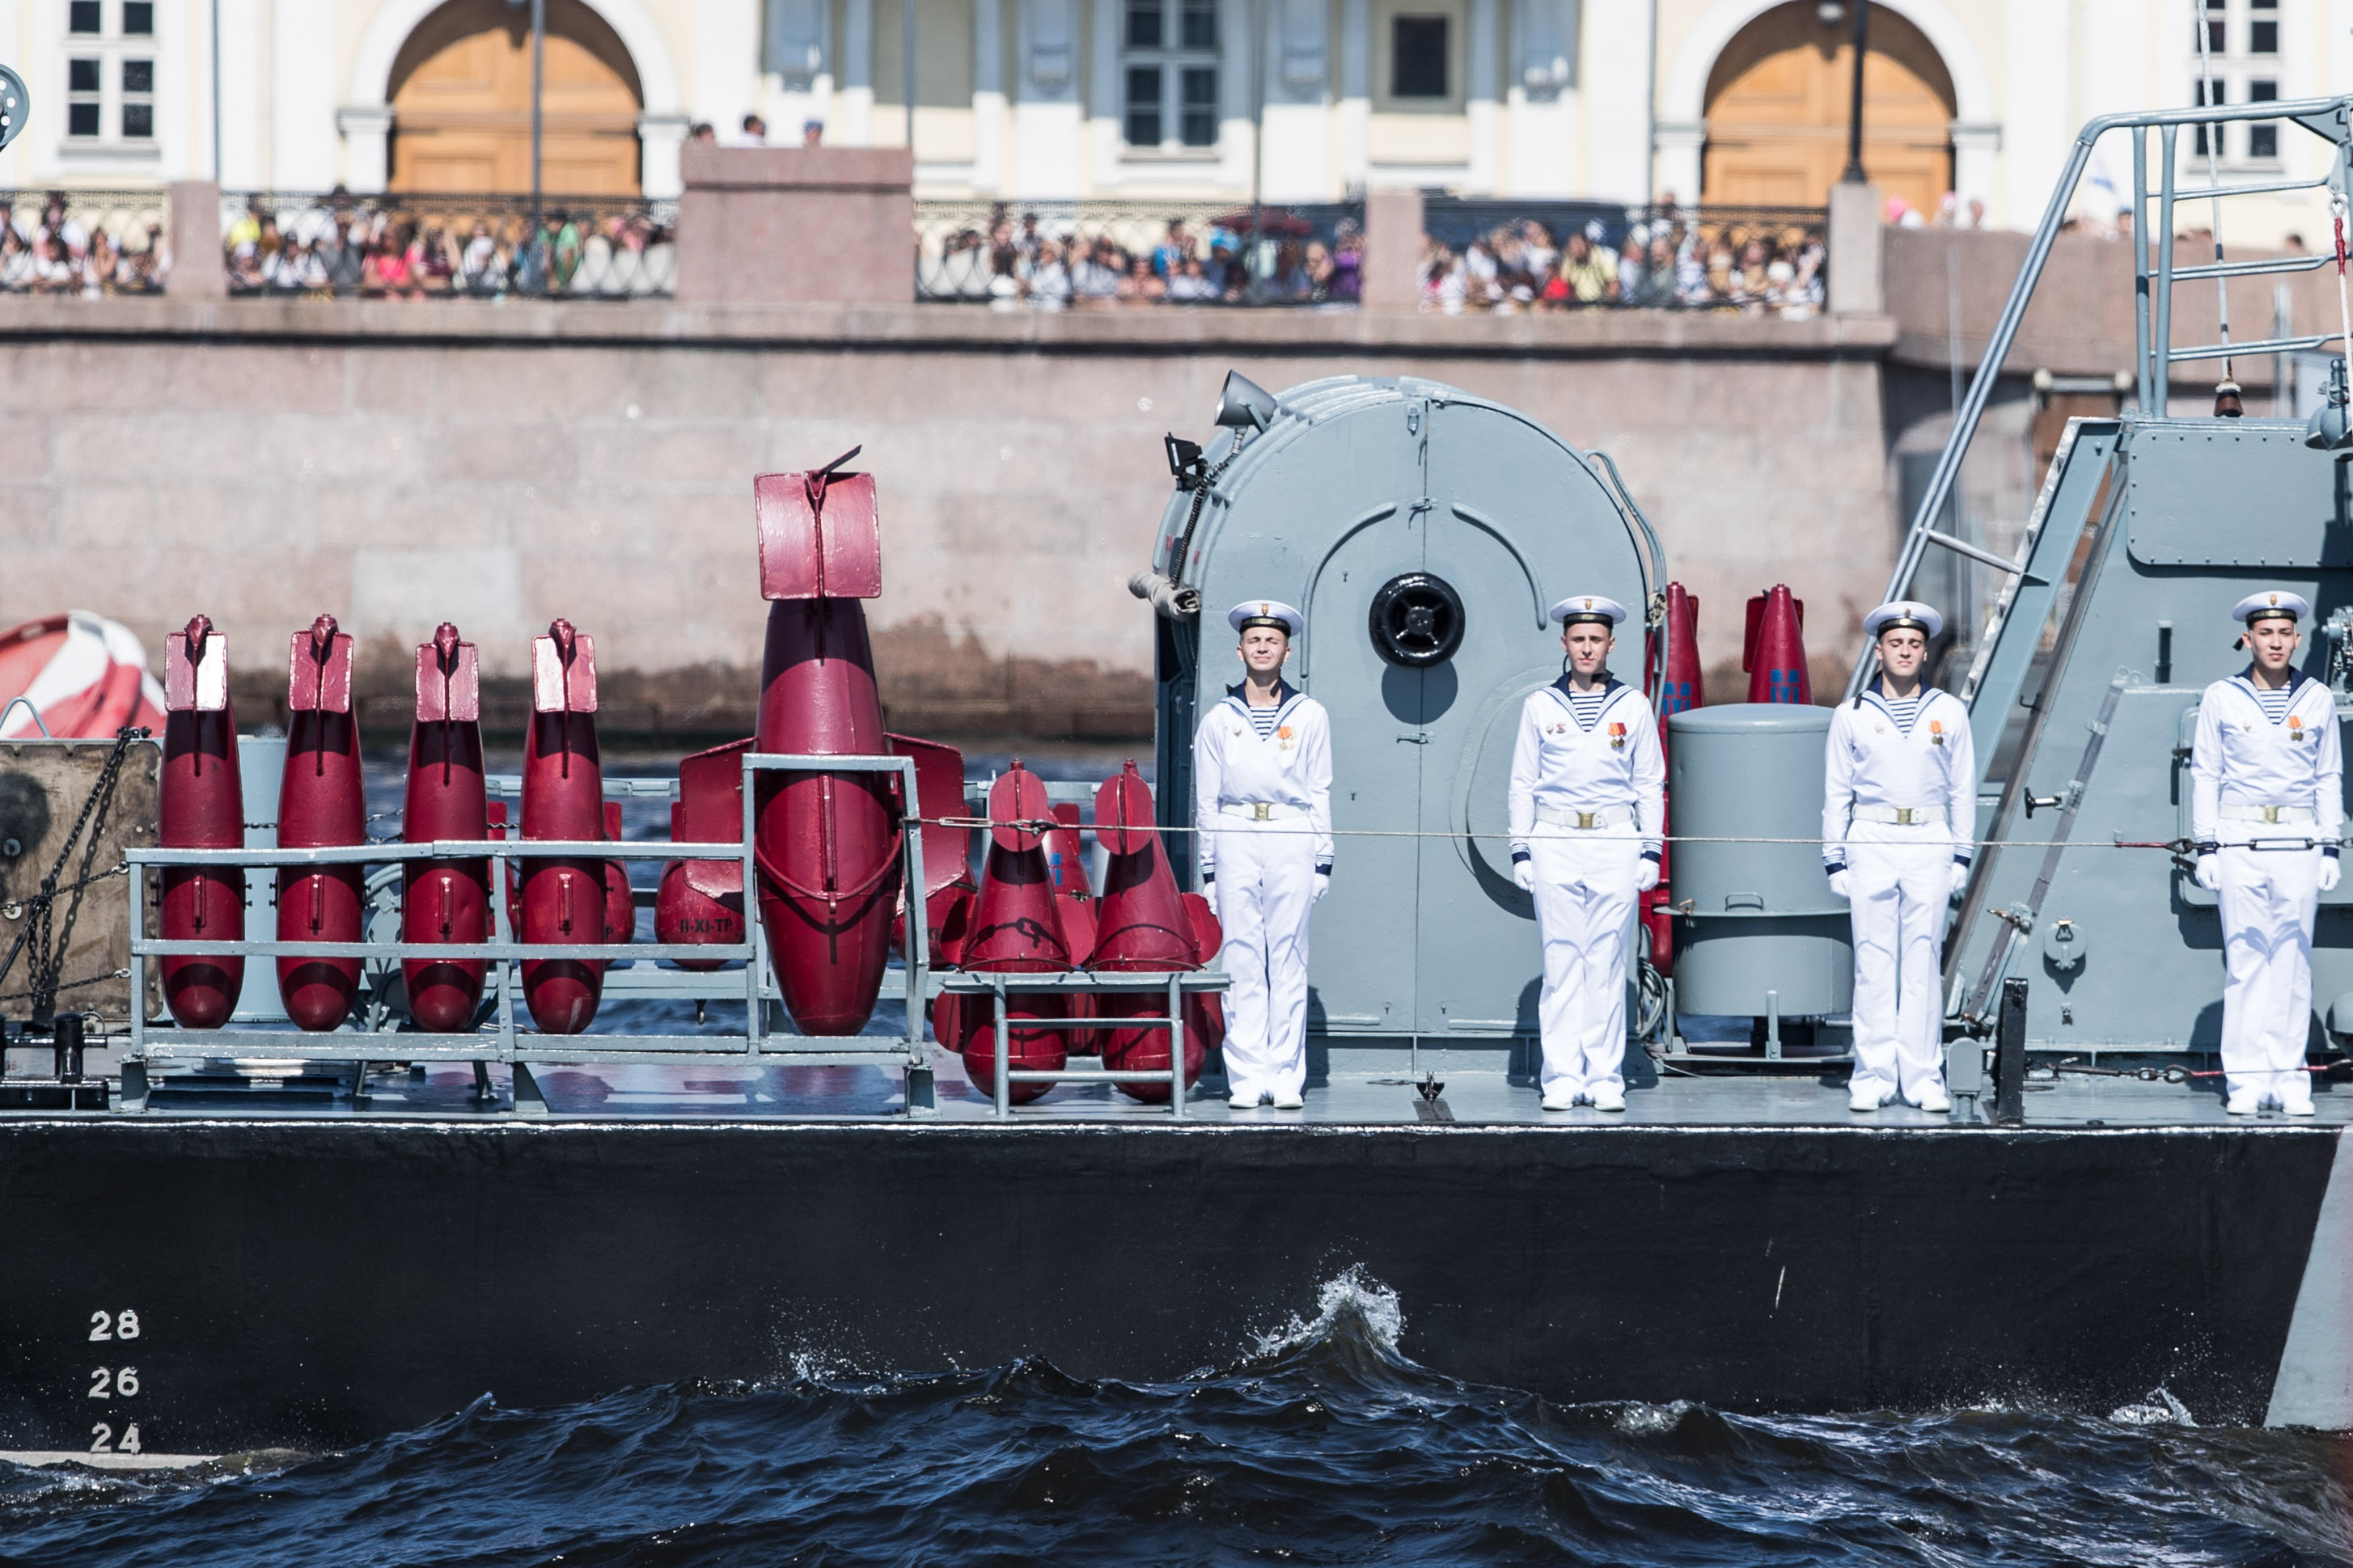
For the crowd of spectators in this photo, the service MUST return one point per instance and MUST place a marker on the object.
(58, 253)
(1660, 260)
(346, 247)
(1286, 259)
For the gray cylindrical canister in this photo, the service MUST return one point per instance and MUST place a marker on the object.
(1754, 917)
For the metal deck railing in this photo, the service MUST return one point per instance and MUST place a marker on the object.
(2155, 277)
(506, 1043)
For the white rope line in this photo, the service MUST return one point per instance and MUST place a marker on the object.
(1549, 830)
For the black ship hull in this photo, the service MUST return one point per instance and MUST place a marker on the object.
(309, 1283)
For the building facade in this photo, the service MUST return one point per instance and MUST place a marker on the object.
(1728, 101)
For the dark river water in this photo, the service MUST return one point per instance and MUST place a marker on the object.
(1321, 1446)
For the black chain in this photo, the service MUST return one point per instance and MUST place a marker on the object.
(48, 956)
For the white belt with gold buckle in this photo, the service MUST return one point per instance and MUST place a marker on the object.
(1902, 815)
(1585, 821)
(1261, 810)
(2267, 814)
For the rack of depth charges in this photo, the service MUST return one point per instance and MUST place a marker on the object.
(518, 1049)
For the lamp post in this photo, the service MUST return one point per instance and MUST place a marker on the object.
(1854, 174)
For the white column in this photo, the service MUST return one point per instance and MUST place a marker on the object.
(1542, 99)
(723, 87)
(2035, 105)
(659, 137)
(1613, 110)
(1046, 114)
(302, 83)
(1298, 165)
(1106, 100)
(242, 151)
(856, 129)
(367, 146)
(1356, 92)
(1480, 104)
(1974, 150)
(1677, 146)
(1237, 132)
(988, 97)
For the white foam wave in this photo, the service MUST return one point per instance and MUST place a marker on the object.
(1353, 1295)
(2160, 1408)
(1644, 1420)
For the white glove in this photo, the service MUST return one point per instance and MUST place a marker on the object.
(1839, 881)
(2209, 872)
(1524, 872)
(1961, 877)
(2330, 870)
(1323, 885)
(1646, 874)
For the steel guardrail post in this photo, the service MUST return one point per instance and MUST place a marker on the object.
(1004, 1053)
(1177, 1043)
(2161, 327)
(756, 1031)
(918, 951)
(2009, 1056)
(137, 1060)
(2142, 350)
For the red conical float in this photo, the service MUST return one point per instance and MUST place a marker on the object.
(827, 842)
(1682, 687)
(1014, 929)
(703, 901)
(445, 900)
(1142, 924)
(202, 808)
(1774, 650)
(564, 900)
(1074, 901)
(321, 802)
(947, 849)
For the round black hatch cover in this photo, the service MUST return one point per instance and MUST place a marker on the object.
(1417, 620)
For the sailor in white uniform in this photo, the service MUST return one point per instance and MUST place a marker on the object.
(1586, 804)
(1263, 807)
(2267, 807)
(1899, 816)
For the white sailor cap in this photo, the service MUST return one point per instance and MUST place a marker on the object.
(1919, 617)
(1266, 613)
(2271, 605)
(1587, 607)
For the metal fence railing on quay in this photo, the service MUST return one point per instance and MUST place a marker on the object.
(1486, 255)
(1053, 255)
(434, 246)
(82, 242)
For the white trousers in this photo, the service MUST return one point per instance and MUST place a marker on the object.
(1900, 884)
(1265, 888)
(2267, 900)
(1585, 895)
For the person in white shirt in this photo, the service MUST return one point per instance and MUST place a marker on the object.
(1587, 796)
(2267, 807)
(1899, 816)
(1263, 811)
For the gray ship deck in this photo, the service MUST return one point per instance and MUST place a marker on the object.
(1476, 1095)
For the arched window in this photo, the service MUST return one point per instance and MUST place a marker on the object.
(1777, 102)
(462, 102)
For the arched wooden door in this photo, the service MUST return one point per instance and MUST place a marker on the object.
(462, 102)
(1777, 102)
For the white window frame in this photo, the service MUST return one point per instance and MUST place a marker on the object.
(111, 47)
(2236, 69)
(1172, 59)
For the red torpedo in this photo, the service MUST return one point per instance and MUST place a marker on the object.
(827, 842)
(202, 808)
(1773, 651)
(321, 802)
(445, 900)
(1143, 924)
(564, 900)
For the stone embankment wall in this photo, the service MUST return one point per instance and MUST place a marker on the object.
(397, 465)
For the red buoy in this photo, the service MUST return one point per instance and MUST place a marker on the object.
(827, 842)
(564, 900)
(1774, 650)
(947, 849)
(82, 677)
(1681, 689)
(321, 802)
(1016, 929)
(445, 900)
(202, 808)
(1141, 924)
(703, 901)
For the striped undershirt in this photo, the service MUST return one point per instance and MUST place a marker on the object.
(1905, 710)
(1262, 720)
(1587, 705)
(2274, 704)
